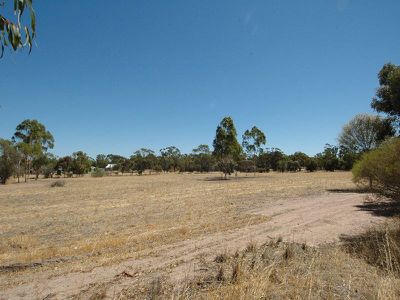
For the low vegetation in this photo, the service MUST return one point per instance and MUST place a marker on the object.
(362, 267)
(380, 169)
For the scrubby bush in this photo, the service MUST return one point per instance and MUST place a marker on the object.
(281, 166)
(293, 166)
(8, 160)
(247, 166)
(381, 168)
(98, 172)
(58, 183)
(311, 165)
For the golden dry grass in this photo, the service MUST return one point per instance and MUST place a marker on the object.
(357, 269)
(126, 214)
(92, 222)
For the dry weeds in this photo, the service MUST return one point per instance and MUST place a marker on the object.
(99, 221)
(281, 270)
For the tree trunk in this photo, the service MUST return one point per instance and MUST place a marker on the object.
(370, 182)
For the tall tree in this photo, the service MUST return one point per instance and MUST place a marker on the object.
(227, 149)
(203, 159)
(252, 141)
(102, 161)
(13, 32)
(365, 132)
(33, 140)
(81, 163)
(170, 158)
(8, 160)
(387, 97)
(143, 159)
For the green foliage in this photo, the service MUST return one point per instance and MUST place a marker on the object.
(381, 168)
(227, 149)
(269, 159)
(300, 157)
(170, 158)
(8, 160)
(143, 159)
(365, 132)
(311, 164)
(81, 163)
(98, 172)
(13, 32)
(64, 165)
(347, 158)
(203, 158)
(252, 141)
(293, 166)
(33, 141)
(247, 166)
(101, 161)
(387, 98)
(328, 160)
(226, 165)
(282, 165)
(225, 141)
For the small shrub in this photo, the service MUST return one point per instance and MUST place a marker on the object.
(48, 172)
(58, 183)
(221, 258)
(98, 173)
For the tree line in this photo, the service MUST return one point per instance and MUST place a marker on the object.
(27, 152)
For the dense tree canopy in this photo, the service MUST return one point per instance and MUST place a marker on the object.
(227, 149)
(8, 160)
(387, 97)
(365, 132)
(33, 140)
(253, 140)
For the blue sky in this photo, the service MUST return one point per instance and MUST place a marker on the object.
(114, 76)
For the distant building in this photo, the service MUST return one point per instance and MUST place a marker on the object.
(110, 167)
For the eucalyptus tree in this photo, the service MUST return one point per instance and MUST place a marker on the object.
(14, 33)
(387, 97)
(33, 140)
(252, 142)
(203, 158)
(8, 160)
(170, 158)
(365, 132)
(81, 163)
(143, 159)
(227, 149)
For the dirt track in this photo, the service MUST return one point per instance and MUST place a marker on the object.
(313, 219)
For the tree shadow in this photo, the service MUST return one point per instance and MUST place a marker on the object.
(221, 178)
(350, 190)
(381, 207)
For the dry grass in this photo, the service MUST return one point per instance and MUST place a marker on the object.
(132, 213)
(96, 221)
(279, 270)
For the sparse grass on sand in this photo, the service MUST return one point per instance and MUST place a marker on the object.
(131, 213)
(99, 221)
(363, 267)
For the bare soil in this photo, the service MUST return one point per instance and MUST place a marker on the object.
(109, 234)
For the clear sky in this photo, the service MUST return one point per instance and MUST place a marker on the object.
(114, 76)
